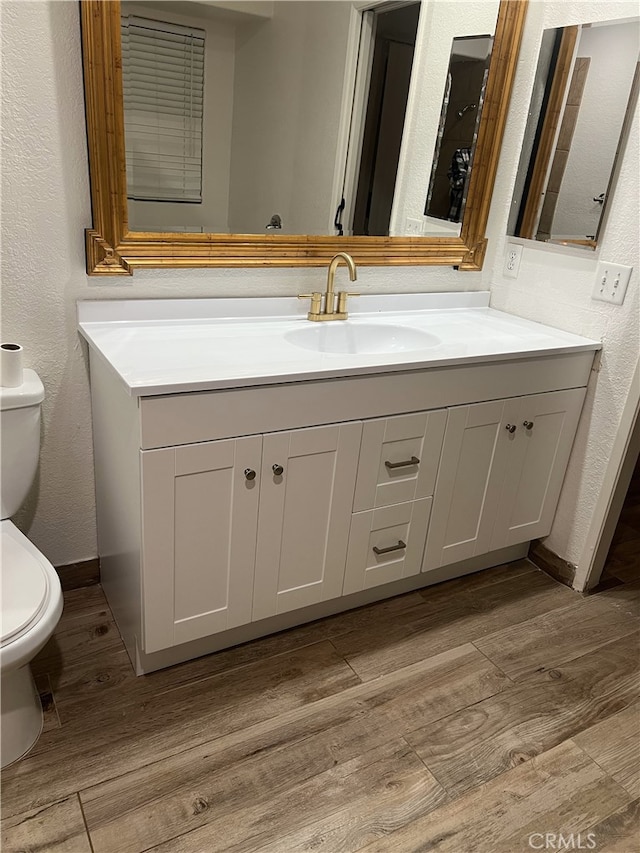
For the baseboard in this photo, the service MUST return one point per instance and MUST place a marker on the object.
(551, 564)
(77, 575)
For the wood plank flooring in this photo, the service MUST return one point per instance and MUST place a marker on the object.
(465, 717)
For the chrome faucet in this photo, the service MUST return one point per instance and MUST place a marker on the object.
(330, 312)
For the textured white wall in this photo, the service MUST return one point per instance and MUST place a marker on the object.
(554, 285)
(45, 207)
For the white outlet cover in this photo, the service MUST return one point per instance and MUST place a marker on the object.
(512, 258)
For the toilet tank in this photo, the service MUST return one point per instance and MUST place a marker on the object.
(19, 440)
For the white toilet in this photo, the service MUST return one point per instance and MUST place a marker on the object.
(31, 595)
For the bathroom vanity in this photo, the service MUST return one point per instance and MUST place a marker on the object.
(255, 471)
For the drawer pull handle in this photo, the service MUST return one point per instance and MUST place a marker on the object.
(510, 428)
(249, 474)
(528, 424)
(397, 547)
(278, 470)
(413, 461)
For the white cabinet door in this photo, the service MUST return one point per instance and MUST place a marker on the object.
(399, 459)
(470, 477)
(305, 512)
(546, 426)
(199, 520)
(386, 544)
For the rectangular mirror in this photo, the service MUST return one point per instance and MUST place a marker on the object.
(278, 133)
(585, 90)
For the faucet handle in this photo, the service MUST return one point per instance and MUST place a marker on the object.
(316, 301)
(342, 300)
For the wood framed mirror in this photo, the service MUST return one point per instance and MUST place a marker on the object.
(114, 249)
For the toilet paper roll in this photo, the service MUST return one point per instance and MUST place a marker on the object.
(10, 365)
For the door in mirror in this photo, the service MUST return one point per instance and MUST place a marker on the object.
(392, 40)
(584, 93)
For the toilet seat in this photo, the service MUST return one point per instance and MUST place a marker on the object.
(25, 584)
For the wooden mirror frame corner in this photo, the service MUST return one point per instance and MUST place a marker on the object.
(114, 250)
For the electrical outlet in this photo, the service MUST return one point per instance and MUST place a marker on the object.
(611, 282)
(413, 226)
(512, 260)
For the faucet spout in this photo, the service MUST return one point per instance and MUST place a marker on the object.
(330, 312)
(329, 299)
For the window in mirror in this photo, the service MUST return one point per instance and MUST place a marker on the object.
(583, 97)
(162, 80)
(458, 127)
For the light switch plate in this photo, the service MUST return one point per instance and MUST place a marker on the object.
(512, 260)
(611, 282)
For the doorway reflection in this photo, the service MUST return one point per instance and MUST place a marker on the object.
(458, 130)
(394, 46)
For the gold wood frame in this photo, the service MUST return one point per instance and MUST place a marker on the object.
(548, 134)
(114, 250)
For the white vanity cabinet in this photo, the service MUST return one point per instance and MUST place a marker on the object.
(240, 491)
(500, 475)
(238, 530)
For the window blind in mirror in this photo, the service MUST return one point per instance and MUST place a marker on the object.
(163, 88)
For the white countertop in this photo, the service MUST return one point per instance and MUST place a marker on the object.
(165, 346)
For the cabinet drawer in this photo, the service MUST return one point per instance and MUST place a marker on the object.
(397, 533)
(399, 459)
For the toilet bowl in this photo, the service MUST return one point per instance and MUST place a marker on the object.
(31, 602)
(31, 608)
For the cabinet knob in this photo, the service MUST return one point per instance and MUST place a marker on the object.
(510, 428)
(249, 474)
(277, 470)
(527, 424)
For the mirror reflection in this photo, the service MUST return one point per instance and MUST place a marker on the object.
(584, 92)
(390, 36)
(458, 128)
(293, 117)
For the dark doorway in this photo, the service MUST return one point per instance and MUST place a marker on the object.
(395, 38)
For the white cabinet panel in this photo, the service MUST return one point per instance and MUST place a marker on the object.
(303, 525)
(546, 426)
(386, 544)
(198, 539)
(470, 477)
(399, 459)
(501, 473)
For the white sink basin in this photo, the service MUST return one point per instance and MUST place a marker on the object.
(343, 336)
